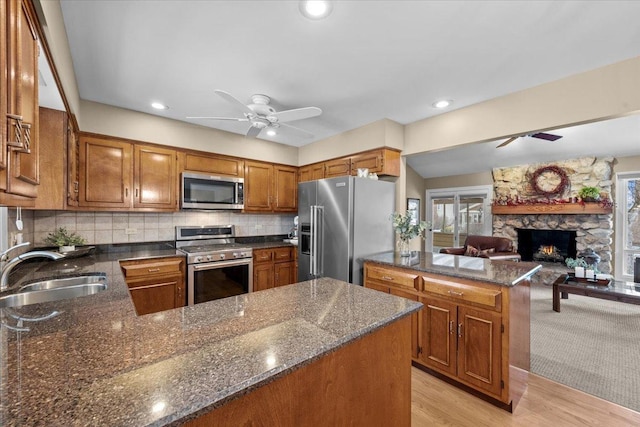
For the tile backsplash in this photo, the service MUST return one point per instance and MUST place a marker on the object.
(124, 227)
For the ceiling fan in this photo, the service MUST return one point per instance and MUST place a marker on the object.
(539, 135)
(261, 115)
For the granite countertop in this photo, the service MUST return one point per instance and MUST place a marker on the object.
(94, 362)
(503, 272)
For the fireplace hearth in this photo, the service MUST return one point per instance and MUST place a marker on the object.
(552, 246)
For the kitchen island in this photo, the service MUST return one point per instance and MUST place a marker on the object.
(321, 351)
(474, 328)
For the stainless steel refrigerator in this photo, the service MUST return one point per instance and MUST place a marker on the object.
(341, 220)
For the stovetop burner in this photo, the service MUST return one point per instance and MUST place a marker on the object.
(210, 243)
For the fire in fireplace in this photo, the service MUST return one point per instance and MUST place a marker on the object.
(546, 245)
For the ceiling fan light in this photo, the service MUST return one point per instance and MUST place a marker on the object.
(271, 132)
(443, 103)
(159, 106)
(315, 9)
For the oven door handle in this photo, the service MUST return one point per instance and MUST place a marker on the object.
(218, 264)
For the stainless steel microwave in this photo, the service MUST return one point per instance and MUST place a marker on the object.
(201, 191)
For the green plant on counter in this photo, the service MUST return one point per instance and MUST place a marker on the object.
(62, 237)
(573, 263)
(405, 228)
(589, 193)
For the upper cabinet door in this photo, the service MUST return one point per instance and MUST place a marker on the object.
(258, 184)
(156, 181)
(20, 130)
(105, 173)
(286, 188)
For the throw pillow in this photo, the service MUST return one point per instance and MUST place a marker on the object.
(485, 252)
(470, 251)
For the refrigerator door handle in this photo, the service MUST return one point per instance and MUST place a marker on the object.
(315, 258)
(312, 246)
(319, 241)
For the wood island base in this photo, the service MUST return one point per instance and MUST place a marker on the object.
(366, 382)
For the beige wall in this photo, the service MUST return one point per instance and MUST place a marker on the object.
(627, 164)
(468, 180)
(382, 133)
(108, 120)
(606, 92)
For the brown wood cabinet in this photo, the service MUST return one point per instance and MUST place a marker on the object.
(311, 172)
(117, 174)
(19, 159)
(214, 164)
(473, 332)
(270, 188)
(155, 178)
(53, 160)
(382, 161)
(155, 284)
(273, 267)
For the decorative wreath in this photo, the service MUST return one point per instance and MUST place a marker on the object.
(555, 170)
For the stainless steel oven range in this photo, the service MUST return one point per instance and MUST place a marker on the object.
(217, 267)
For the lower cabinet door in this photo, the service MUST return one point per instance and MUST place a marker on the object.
(479, 348)
(156, 297)
(284, 273)
(439, 326)
(262, 276)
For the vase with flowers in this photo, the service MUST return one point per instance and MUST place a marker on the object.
(407, 227)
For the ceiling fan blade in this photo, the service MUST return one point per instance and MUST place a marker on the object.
(297, 114)
(233, 100)
(301, 132)
(508, 141)
(546, 136)
(220, 118)
(253, 132)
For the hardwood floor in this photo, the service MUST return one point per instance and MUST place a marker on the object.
(545, 403)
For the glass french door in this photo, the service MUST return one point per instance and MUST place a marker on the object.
(628, 224)
(455, 213)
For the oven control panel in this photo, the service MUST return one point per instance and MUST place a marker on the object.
(220, 255)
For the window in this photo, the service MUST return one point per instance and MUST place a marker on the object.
(456, 212)
(627, 223)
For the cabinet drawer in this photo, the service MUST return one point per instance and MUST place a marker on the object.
(393, 277)
(464, 293)
(262, 255)
(282, 254)
(151, 268)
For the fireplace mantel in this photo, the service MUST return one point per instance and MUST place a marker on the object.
(558, 209)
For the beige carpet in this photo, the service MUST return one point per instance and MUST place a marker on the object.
(592, 345)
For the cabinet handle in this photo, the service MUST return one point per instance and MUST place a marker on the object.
(153, 270)
(458, 294)
(136, 193)
(22, 135)
(451, 330)
(387, 278)
(460, 330)
(75, 186)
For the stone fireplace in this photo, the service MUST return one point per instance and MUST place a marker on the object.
(593, 228)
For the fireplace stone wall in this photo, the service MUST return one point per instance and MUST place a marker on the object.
(593, 231)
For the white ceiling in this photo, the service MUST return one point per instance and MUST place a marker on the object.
(367, 61)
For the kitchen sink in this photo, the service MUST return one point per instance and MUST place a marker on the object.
(55, 290)
(64, 282)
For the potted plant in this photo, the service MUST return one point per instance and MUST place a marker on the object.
(407, 228)
(578, 265)
(66, 241)
(589, 194)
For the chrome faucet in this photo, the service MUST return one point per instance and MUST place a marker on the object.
(10, 265)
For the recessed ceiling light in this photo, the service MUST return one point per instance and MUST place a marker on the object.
(444, 103)
(159, 106)
(316, 9)
(271, 132)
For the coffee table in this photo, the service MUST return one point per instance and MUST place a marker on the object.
(614, 290)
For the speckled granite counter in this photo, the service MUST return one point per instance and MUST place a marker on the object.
(505, 273)
(96, 363)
